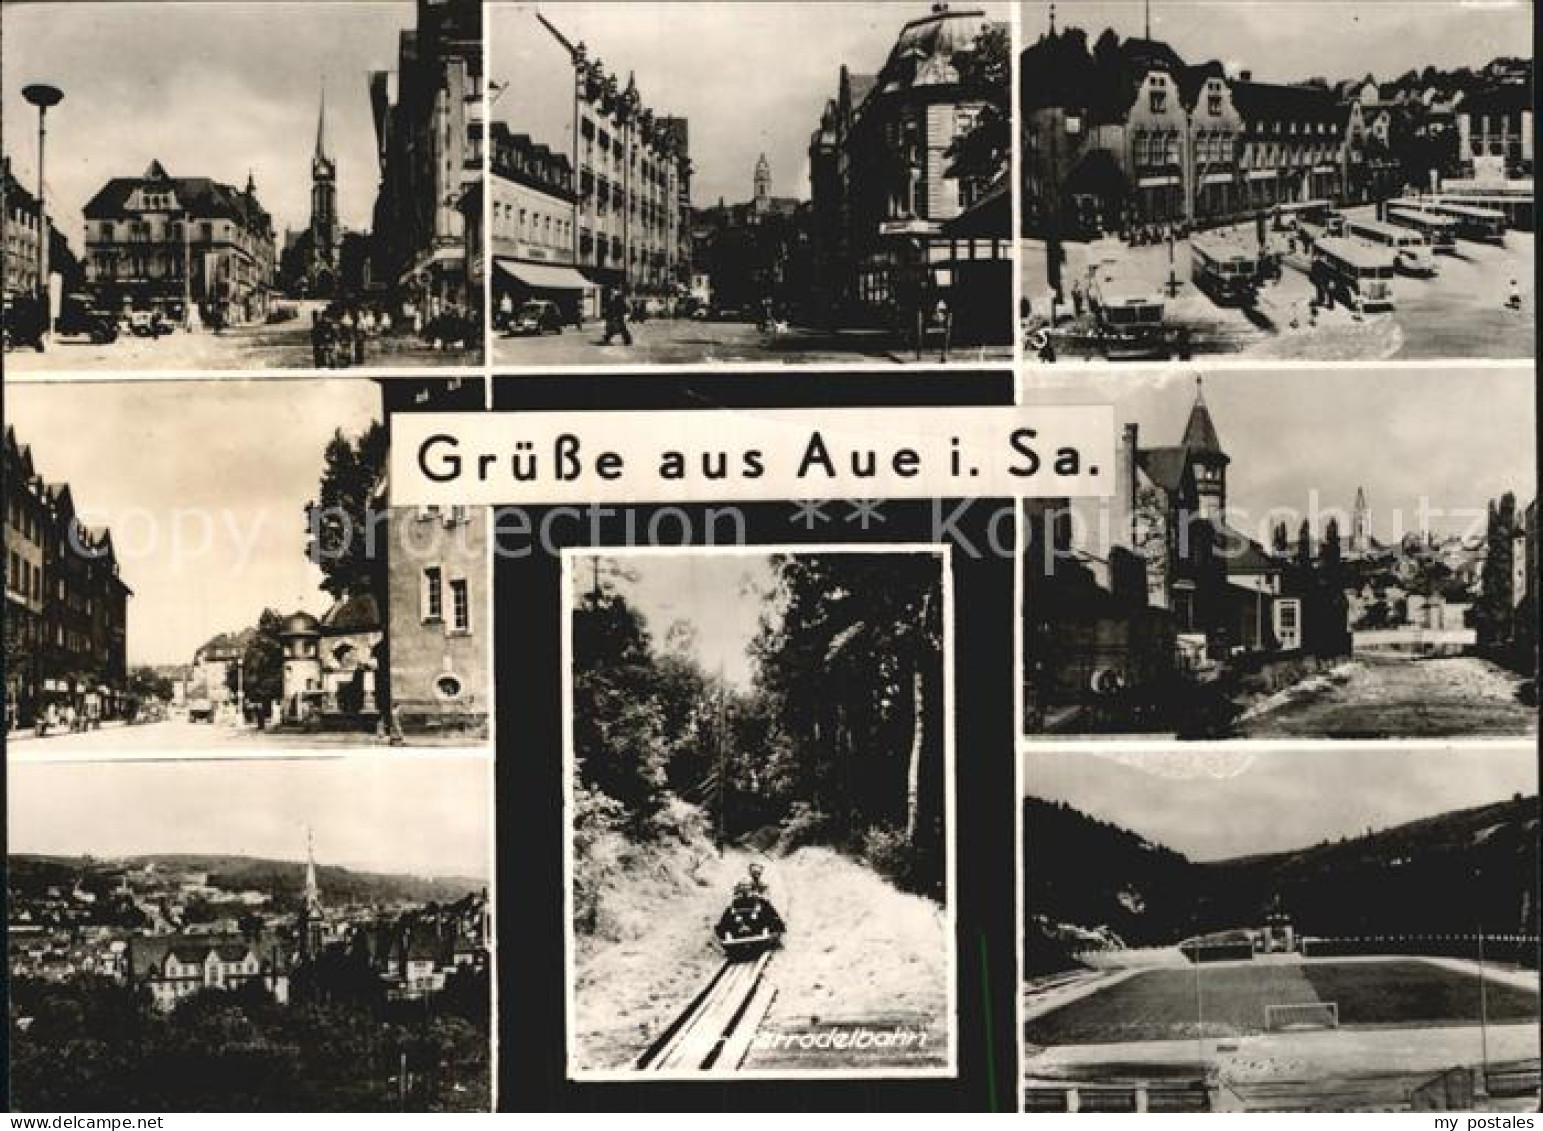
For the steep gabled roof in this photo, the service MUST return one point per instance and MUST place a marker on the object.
(1200, 433)
(1166, 467)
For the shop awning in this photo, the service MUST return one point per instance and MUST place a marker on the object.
(544, 276)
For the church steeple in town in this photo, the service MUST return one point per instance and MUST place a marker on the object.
(762, 183)
(325, 236)
(312, 888)
(1360, 524)
(310, 924)
(320, 157)
(1206, 458)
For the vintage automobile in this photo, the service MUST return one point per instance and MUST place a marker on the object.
(536, 316)
(749, 925)
(78, 318)
(148, 324)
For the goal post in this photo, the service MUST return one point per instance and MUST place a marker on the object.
(1301, 1015)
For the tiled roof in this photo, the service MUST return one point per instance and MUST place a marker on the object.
(1279, 101)
(201, 196)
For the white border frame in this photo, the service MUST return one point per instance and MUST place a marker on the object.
(944, 553)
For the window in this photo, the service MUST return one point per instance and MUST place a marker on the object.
(432, 595)
(460, 606)
(448, 687)
(1288, 624)
(1159, 101)
(1214, 104)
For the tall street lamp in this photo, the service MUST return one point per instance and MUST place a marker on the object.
(43, 96)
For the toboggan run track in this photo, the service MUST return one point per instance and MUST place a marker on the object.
(714, 1032)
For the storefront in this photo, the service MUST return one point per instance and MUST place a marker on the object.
(517, 281)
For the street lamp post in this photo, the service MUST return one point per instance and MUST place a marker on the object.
(43, 96)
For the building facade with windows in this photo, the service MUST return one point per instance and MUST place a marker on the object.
(437, 619)
(22, 225)
(881, 190)
(633, 185)
(156, 241)
(66, 603)
(177, 966)
(1496, 132)
(1130, 134)
(534, 229)
(428, 116)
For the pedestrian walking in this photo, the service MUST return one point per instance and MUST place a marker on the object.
(616, 319)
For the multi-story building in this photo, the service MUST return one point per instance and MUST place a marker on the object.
(437, 620)
(156, 241)
(211, 677)
(880, 184)
(428, 128)
(22, 224)
(534, 228)
(1131, 134)
(26, 550)
(631, 170)
(66, 604)
(1495, 135)
(434, 589)
(177, 966)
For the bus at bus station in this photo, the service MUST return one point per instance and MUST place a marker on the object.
(1359, 275)
(1224, 271)
(1483, 225)
(1128, 315)
(1412, 255)
(1440, 232)
(1292, 214)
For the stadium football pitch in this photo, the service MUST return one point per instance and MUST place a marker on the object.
(1161, 1004)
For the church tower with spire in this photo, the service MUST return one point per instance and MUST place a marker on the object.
(763, 185)
(311, 924)
(1206, 458)
(325, 234)
(1360, 526)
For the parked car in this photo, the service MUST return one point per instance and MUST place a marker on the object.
(200, 710)
(78, 318)
(148, 324)
(537, 316)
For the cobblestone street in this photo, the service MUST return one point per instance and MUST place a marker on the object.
(690, 342)
(278, 345)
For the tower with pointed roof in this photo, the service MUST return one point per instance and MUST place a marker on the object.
(325, 234)
(311, 924)
(1360, 525)
(763, 184)
(1206, 458)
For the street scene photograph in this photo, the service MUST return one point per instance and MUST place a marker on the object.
(1346, 929)
(1344, 555)
(759, 807)
(1334, 180)
(687, 184)
(217, 565)
(242, 186)
(311, 934)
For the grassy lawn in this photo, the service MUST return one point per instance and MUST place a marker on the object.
(1160, 1005)
(1414, 993)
